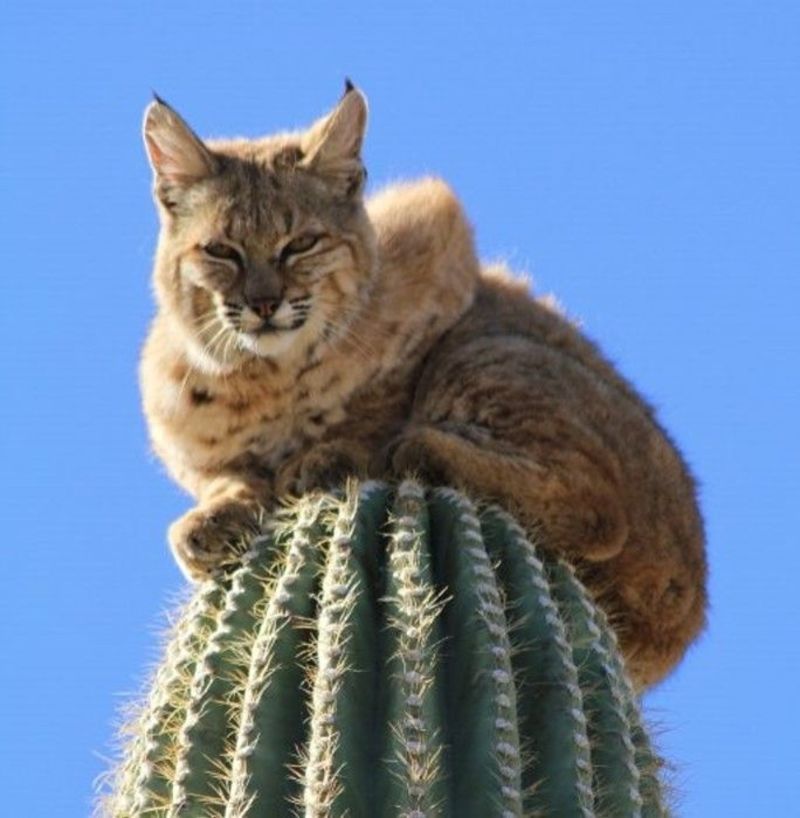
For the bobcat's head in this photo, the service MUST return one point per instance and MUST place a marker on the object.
(265, 245)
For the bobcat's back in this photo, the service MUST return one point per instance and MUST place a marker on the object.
(518, 407)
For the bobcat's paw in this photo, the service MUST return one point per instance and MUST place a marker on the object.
(205, 538)
(413, 455)
(324, 466)
(595, 530)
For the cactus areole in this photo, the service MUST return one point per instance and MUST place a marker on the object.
(390, 652)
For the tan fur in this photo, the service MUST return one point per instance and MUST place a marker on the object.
(408, 359)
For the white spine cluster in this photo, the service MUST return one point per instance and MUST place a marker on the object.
(321, 782)
(218, 669)
(640, 759)
(153, 760)
(491, 610)
(416, 610)
(647, 762)
(300, 554)
(579, 724)
(616, 681)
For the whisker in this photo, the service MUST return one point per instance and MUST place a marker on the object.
(351, 313)
(224, 347)
(208, 325)
(181, 389)
(356, 339)
(231, 346)
(343, 333)
(223, 327)
(206, 320)
(212, 347)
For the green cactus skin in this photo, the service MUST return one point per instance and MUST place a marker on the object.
(390, 652)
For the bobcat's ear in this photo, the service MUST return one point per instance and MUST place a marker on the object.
(177, 155)
(332, 146)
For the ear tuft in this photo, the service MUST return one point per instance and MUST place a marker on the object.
(177, 155)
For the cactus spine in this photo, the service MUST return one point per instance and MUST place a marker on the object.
(393, 652)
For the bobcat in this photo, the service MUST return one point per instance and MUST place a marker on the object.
(304, 334)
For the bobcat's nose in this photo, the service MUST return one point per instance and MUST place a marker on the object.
(264, 307)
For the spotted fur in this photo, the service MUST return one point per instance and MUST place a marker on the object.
(304, 334)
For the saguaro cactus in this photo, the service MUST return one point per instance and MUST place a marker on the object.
(394, 652)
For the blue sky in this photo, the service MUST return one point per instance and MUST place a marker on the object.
(640, 160)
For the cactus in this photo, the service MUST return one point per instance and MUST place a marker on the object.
(390, 652)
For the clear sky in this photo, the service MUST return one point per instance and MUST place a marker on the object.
(639, 159)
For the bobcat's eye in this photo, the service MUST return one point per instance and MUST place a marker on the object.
(224, 252)
(299, 245)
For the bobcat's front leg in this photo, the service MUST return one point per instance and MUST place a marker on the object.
(205, 539)
(325, 465)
